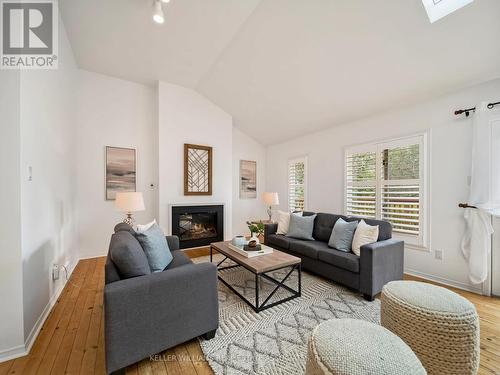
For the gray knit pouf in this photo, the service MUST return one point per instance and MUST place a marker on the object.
(441, 327)
(358, 347)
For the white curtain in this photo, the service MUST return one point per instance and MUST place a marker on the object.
(485, 177)
(484, 191)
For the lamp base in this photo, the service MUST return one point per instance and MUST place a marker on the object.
(270, 212)
(129, 220)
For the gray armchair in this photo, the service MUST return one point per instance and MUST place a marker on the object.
(148, 314)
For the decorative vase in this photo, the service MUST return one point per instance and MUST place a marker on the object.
(255, 238)
(239, 241)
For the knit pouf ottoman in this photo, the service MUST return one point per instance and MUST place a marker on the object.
(441, 327)
(357, 347)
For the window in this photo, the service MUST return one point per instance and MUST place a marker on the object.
(387, 181)
(297, 184)
(437, 9)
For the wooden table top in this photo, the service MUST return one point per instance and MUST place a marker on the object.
(259, 264)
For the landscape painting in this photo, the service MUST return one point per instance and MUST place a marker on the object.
(248, 179)
(120, 171)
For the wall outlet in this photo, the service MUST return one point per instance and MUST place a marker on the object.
(438, 254)
(55, 272)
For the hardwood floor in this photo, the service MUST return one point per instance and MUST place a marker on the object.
(72, 340)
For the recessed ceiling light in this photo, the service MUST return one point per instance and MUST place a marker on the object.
(158, 15)
(165, 1)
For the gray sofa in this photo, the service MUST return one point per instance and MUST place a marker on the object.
(378, 263)
(148, 314)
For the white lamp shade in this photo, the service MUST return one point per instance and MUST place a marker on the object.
(130, 202)
(270, 198)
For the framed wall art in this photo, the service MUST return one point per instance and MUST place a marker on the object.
(248, 179)
(120, 171)
(197, 170)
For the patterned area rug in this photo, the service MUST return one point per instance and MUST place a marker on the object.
(274, 341)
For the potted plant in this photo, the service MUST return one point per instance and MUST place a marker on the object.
(256, 229)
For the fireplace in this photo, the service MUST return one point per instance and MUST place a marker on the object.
(198, 225)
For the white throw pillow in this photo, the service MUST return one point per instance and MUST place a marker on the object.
(364, 235)
(141, 228)
(284, 221)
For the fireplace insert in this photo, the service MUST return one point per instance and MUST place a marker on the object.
(198, 225)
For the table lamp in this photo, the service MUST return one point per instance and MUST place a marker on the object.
(129, 202)
(270, 199)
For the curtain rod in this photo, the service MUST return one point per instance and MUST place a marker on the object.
(468, 110)
(465, 205)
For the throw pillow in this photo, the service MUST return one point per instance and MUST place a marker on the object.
(342, 235)
(127, 255)
(301, 227)
(284, 221)
(141, 228)
(364, 235)
(155, 246)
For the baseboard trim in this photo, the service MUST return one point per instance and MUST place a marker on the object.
(13, 353)
(93, 256)
(22, 350)
(444, 281)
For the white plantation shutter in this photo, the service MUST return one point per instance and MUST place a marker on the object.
(400, 185)
(386, 181)
(401, 206)
(361, 184)
(297, 176)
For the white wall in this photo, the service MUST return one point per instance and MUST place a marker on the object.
(112, 112)
(450, 147)
(48, 201)
(246, 148)
(187, 117)
(11, 294)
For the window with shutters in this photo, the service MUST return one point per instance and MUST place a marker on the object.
(386, 181)
(297, 184)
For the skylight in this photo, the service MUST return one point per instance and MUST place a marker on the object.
(437, 9)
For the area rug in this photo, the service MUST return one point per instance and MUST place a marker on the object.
(274, 341)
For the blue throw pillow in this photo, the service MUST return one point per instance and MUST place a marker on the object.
(342, 235)
(301, 227)
(155, 246)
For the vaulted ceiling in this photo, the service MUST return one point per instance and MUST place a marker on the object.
(284, 68)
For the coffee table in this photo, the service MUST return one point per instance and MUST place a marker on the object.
(260, 266)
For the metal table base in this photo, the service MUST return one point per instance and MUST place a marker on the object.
(258, 307)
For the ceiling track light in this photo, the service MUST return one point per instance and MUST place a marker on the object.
(158, 15)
